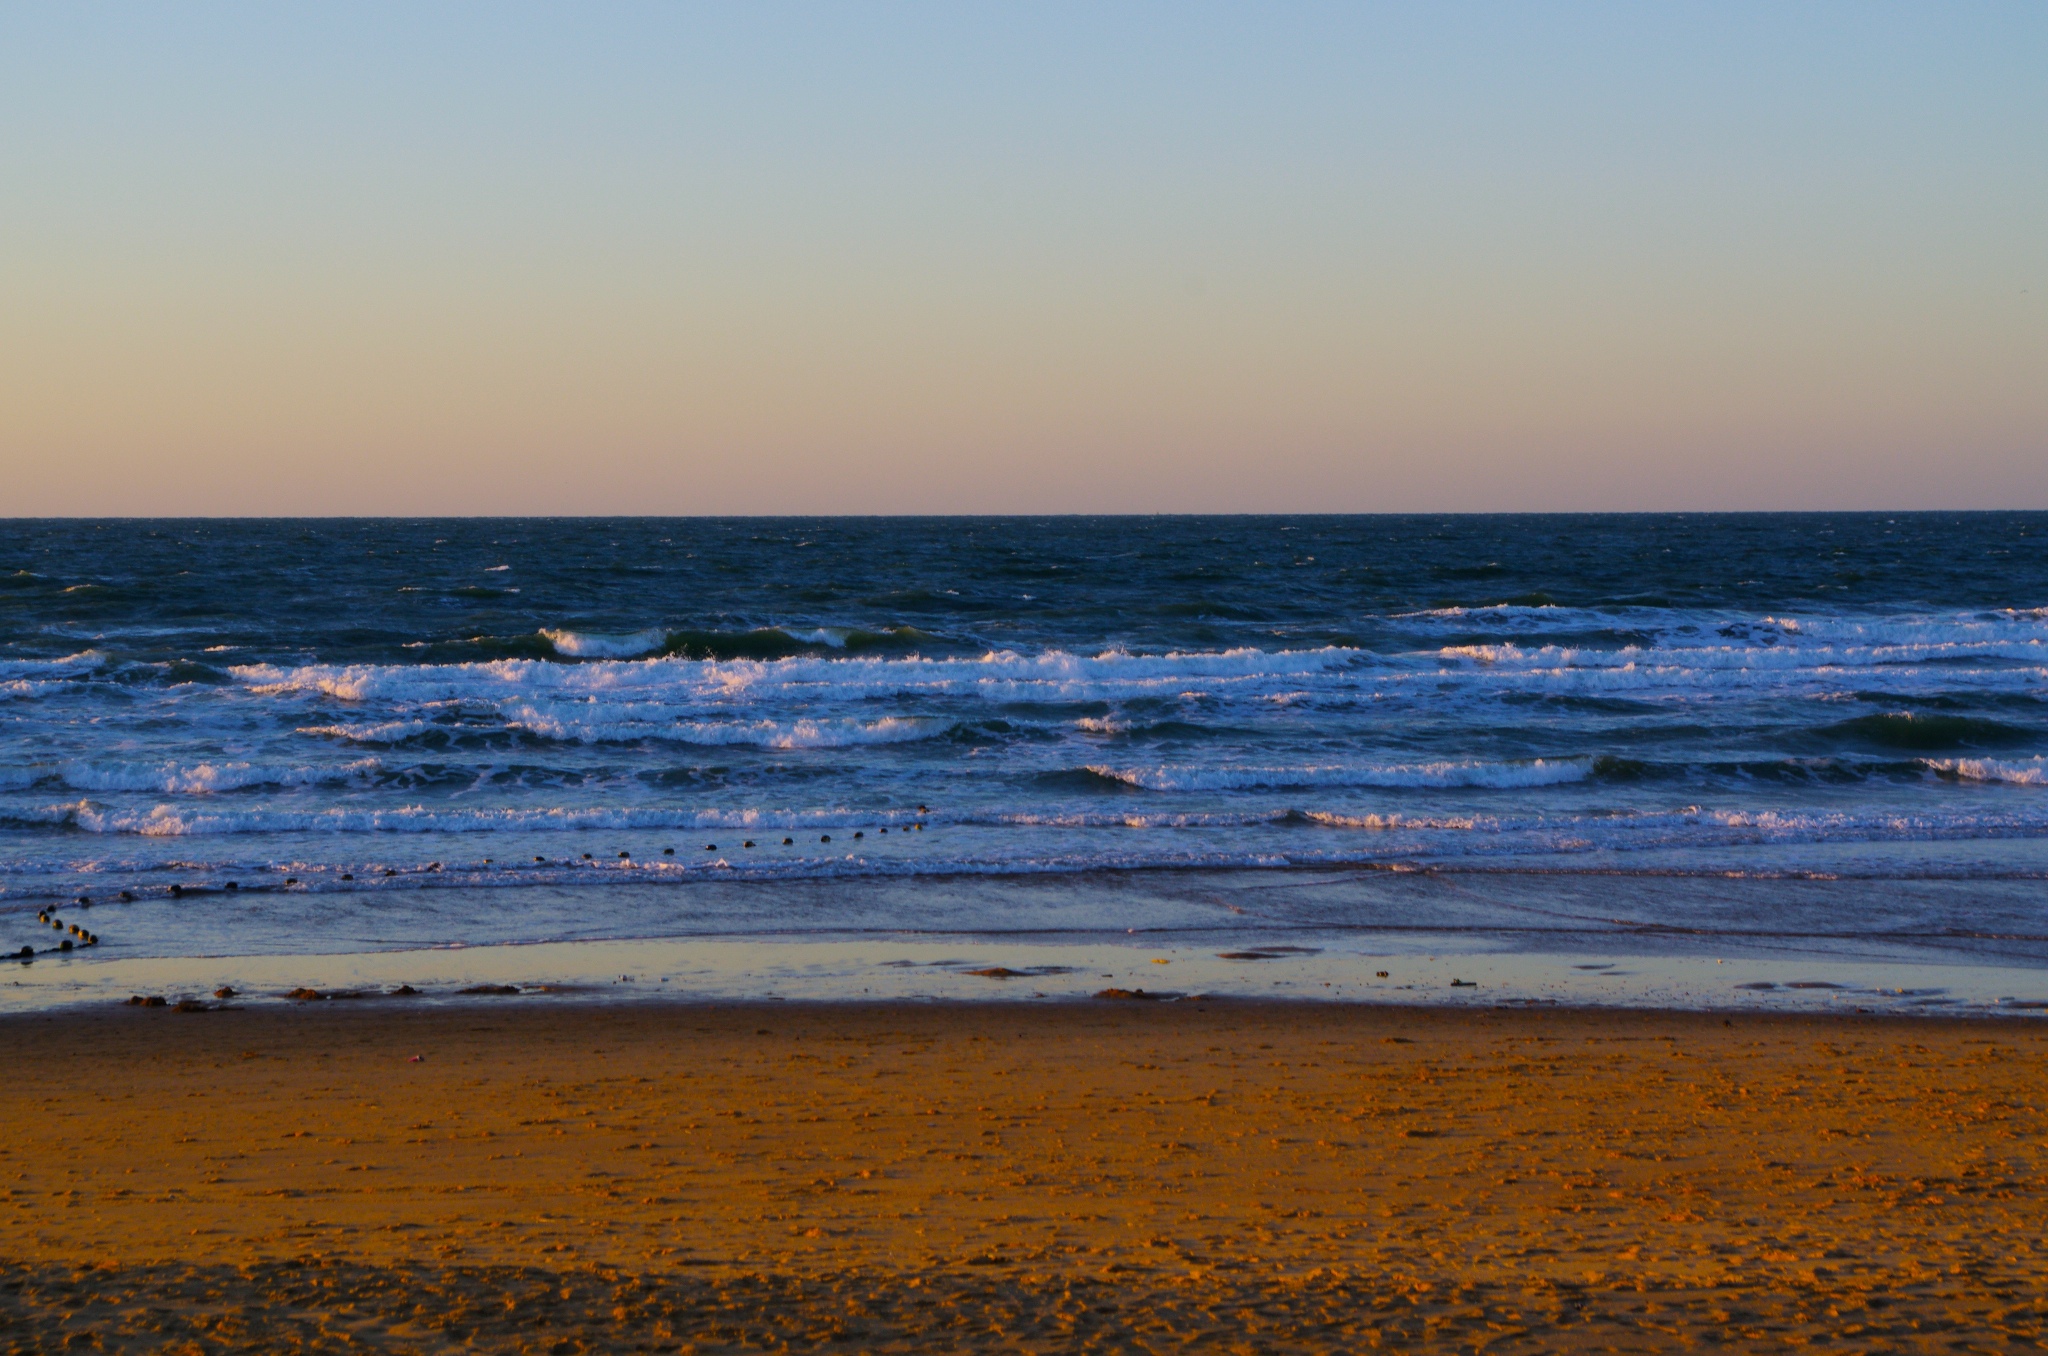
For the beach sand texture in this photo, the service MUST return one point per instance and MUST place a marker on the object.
(553, 1176)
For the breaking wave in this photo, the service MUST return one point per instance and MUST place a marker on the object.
(581, 646)
(2017, 772)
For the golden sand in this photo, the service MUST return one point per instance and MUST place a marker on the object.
(551, 1177)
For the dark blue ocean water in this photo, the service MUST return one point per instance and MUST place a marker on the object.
(393, 732)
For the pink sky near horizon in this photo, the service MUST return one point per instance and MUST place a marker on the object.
(813, 260)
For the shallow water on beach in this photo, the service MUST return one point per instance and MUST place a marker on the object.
(1821, 733)
(1307, 934)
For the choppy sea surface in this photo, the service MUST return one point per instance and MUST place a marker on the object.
(1818, 738)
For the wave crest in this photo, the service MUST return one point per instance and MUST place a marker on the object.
(2016, 771)
(579, 645)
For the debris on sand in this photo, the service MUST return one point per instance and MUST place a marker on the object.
(1140, 995)
(1028, 972)
(1270, 953)
(491, 988)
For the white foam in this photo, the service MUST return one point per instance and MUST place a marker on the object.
(377, 732)
(2017, 771)
(207, 777)
(1494, 612)
(1690, 828)
(71, 664)
(167, 821)
(1778, 658)
(690, 686)
(580, 645)
(832, 636)
(618, 725)
(31, 687)
(1432, 823)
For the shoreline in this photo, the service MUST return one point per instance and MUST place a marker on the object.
(922, 1176)
(1301, 965)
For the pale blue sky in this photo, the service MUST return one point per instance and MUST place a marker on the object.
(1022, 258)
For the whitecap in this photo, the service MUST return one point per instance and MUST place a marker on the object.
(71, 664)
(205, 778)
(2016, 771)
(582, 645)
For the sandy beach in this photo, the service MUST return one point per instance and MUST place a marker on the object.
(556, 1176)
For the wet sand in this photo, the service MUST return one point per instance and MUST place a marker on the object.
(550, 1176)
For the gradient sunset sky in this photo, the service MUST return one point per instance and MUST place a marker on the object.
(415, 259)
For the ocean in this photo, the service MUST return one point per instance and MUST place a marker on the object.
(1807, 740)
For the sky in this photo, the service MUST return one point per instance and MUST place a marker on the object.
(985, 258)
